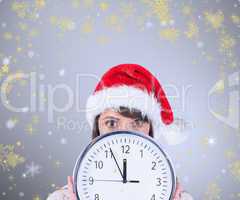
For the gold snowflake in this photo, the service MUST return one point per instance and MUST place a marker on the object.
(170, 34)
(127, 9)
(215, 20)
(7, 36)
(235, 169)
(5, 69)
(35, 119)
(36, 197)
(30, 129)
(160, 8)
(20, 8)
(187, 10)
(103, 6)
(8, 158)
(114, 22)
(33, 33)
(40, 3)
(213, 192)
(235, 19)
(192, 31)
(88, 3)
(230, 154)
(226, 43)
(64, 23)
(87, 26)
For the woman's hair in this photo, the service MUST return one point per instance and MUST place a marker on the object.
(126, 112)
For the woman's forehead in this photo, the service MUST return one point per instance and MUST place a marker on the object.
(115, 112)
(110, 111)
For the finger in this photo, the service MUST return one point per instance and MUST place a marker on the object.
(70, 188)
(177, 191)
(69, 182)
(71, 179)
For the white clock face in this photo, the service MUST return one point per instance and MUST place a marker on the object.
(124, 165)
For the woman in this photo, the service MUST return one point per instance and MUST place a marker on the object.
(128, 97)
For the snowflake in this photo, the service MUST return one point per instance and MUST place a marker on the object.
(10, 124)
(61, 72)
(223, 171)
(211, 141)
(6, 61)
(8, 158)
(63, 141)
(21, 194)
(192, 31)
(40, 3)
(25, 109)
(235, 169)
(200, 44)
(215, 20)
(4, 24)
(49, 132)
(170, 34)
(149, 24)
(213, 191)
(30, 54)
(32, 170)
(103, 6)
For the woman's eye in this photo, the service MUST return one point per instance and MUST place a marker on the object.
(111, 123)
(137, 123)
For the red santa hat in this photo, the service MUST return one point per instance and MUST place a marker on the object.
(132, 86)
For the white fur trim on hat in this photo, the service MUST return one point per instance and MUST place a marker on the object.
(127, 96)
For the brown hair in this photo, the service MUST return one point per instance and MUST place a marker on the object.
(126, 112)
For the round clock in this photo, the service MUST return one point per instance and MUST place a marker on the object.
(124, 165)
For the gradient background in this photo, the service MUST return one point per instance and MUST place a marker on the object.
(192, 47)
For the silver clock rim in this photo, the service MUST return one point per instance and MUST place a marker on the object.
(98, 138)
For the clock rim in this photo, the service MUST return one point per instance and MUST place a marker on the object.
(100, 137)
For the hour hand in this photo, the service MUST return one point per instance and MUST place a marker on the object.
(124, 170)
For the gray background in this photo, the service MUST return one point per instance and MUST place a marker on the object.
(60, 40)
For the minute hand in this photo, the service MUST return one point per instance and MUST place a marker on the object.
(116, 163)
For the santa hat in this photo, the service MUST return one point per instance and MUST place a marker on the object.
(132, 86)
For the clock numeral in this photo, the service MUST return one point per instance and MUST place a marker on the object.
(141, 151)
(90, 180)
(159, 182)
(154, 165)
(108, 154)
(125, 149)
(153, 197)
(99, 164)
(96, 196)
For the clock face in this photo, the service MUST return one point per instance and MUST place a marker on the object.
(124, 165)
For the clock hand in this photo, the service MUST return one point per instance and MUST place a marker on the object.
(116, 163)
(130, 181)
(124, 170)
(107, 180)
(133, 181)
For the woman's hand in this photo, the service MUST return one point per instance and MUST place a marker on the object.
(70, 188)
(177, 195)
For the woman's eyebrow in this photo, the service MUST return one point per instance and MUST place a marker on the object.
(110, 117)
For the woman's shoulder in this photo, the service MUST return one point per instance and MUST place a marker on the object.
(60, 194)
